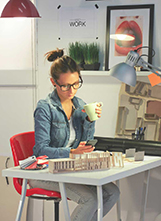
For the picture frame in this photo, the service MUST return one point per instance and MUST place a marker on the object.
(136, 20)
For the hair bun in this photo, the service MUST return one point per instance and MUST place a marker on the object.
(53, 55)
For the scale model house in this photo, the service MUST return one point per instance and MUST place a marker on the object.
(91, 161)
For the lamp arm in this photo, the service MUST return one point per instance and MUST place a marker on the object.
(145, 64)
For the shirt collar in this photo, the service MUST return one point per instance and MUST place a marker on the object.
(55, 100)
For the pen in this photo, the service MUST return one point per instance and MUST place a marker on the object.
(144, 129)
(140, 130)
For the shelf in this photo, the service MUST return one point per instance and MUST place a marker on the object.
(95, 73)
(106, 73)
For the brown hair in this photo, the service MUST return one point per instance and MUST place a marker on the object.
(61, 63)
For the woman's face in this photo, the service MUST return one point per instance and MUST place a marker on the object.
(66, 79)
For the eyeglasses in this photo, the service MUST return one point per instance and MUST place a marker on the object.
(67, 87)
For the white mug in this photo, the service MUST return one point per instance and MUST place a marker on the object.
(90, 110)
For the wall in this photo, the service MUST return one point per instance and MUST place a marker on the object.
(17, 98)
(9, 198)
(17, 82)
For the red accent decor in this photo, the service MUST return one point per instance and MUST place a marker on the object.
(20, 8)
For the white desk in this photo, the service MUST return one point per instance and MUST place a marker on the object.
(97, 178)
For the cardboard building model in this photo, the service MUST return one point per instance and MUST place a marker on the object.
(139, 107)
(91, 161)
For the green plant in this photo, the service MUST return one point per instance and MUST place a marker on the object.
(76, 52)
(90, 53)
(84, 53)
(93, 53)
(85, 47)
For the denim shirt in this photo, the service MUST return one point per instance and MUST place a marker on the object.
(52, 129)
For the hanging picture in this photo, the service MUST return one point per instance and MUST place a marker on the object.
(136, 21)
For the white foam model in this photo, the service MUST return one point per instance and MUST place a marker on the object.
(91, 161)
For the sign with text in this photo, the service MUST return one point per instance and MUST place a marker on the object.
(77, 22)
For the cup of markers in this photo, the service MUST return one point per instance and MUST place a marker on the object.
(139, 133)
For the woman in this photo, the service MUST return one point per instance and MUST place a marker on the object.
(62, 127)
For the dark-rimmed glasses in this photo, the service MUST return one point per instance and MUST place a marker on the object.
(67, 87)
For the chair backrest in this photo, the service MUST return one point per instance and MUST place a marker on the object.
(22, 146)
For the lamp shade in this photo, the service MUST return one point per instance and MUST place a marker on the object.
(20, 8)
(124, 73)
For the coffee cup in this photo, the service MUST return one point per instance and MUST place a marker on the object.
(90, 110)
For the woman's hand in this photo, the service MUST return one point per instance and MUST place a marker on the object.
(98, 110)
(82, 148)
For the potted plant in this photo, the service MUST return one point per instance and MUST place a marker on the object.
(76, 52)
(91, 56)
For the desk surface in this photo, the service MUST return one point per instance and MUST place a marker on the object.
(99, 177)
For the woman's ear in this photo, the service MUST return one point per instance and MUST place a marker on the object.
(52, 81)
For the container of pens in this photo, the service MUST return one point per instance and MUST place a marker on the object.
(139, 133)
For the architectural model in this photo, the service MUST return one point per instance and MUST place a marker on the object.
(139, 107)
(91, 161)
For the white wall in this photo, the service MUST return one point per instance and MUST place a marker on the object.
(17, 80)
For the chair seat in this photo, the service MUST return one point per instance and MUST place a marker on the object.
(33, 191)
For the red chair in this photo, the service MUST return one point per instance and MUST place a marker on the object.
(22, 145)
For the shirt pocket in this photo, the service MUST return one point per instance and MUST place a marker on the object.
(58, 124)
(58, 130)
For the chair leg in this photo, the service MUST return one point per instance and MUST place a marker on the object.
(56, 205)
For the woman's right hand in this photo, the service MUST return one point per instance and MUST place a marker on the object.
(82, 148)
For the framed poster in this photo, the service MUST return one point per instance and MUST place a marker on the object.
(134, 20)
